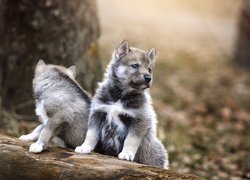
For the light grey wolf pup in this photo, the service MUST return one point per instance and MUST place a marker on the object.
(122, 121)
(62, 107)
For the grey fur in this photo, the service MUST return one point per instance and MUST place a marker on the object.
(61, 102)
(121, 112)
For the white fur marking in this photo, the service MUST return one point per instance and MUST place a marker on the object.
(127, 155)
(113, 111)
(37, 147)
(103, 133)
(58, 142)
(89, 143)
(117, 142)
(121, 71)
(166, 165)
(33, 136)
(40, 111)
(130, 147)
(29, 137)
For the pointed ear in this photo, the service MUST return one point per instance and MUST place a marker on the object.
(151, 54)
(72, 71)
(40, 66)
(123, 49)
(40, 62)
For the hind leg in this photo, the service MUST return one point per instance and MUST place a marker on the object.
(152, 152)
(47, 133)
(34, 135)
(58, 142)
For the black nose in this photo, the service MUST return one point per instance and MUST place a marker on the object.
(147, 78)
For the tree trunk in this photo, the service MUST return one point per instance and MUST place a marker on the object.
(57, 163)
(60, 32)
(242, 51)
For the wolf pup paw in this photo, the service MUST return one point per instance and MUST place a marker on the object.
(85, 149)
(127, 155)
(26, 138)
(36, 147)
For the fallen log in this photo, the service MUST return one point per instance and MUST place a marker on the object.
(57, 163)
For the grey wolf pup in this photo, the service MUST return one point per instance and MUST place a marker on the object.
(122, 121)
(62, 107)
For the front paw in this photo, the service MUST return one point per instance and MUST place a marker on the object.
(25, 138)
(85, 149)
(36, 147)
(127, 155)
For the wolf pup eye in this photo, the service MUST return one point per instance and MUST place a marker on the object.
(149, 70)
(135, 66)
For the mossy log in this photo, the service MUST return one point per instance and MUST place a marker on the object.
(57, 163)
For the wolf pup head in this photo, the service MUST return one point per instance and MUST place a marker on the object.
(41, 67)
(132, 67)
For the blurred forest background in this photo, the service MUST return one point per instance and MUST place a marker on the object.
(201, 88)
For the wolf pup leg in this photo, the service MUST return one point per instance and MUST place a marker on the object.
(92, 135)
(89, 143)
(47, 133)
(34, 135)
(58, 142)
(44, 138)
(130, 146)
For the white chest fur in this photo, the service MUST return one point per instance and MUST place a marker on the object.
(113, 111)
(40, 111)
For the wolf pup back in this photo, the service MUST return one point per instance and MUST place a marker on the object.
(62, 107)
(122, 121)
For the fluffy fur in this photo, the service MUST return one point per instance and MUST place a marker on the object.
(122, 121)
(62, 107)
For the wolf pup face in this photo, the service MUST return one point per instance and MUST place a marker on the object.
(133, 67)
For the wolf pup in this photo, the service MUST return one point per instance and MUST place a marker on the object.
(62, 107)
(122, 121)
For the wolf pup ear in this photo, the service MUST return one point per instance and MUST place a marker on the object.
(40, 66)
(151, 54)
(72, 71)
(123, 49)
(40, 62)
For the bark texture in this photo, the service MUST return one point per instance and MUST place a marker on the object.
(242, 50)
(57, 163)
(60, 32)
